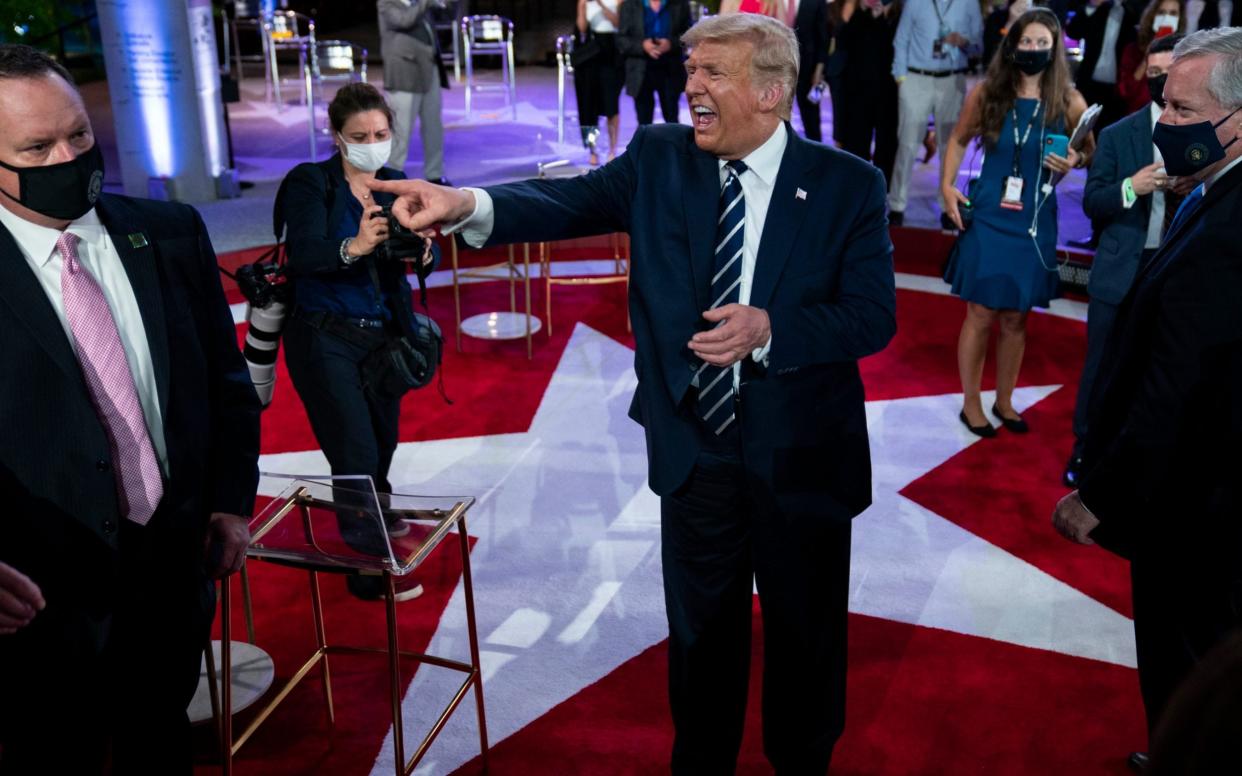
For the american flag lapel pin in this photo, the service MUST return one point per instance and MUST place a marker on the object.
(800, 194)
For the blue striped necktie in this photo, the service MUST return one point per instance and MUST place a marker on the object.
(716, 383)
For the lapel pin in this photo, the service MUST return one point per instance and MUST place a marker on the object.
(138, 240)
(800, 194)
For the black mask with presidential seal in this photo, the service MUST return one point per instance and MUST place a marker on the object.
(65, 191)
(1188, 148)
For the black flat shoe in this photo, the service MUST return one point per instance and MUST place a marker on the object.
(987, 430)
(1016, 426)
(1138, 761)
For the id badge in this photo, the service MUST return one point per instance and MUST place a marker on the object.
(1012, 200)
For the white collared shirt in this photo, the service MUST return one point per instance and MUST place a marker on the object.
(1220, 174)
(1106, 66)
(98, 256)
(1155, 223)
(762, 166)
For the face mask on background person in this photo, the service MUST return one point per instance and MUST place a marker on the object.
(367, 157)
(1032, 61)
(1164, 24)
(1188, 148)
(1155, 86)
(65, 191)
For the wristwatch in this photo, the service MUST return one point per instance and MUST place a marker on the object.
(346, 259)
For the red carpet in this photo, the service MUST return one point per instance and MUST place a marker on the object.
(921, 700)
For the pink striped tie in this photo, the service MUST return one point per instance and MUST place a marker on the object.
(111, 384)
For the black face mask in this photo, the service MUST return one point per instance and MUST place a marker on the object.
(1032, 61)
(1155, 85)
(64, 191)
(1188, 148)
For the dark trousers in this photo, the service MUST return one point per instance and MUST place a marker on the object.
(1187, 598)
(864, 116)
(659, 78)
(357, 431)
(1101, 316)
(719, 533)
(809, 111)
(1100, 319)
(73, 703)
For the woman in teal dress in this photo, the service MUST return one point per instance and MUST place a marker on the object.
(1005, 262)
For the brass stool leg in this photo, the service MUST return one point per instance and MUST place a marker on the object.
(472, 630)
(249, 611)
(394, 674)
(456, 280)
(512, 282)
(226, 684)
(530, 353)
(213, 691)
(322, 642)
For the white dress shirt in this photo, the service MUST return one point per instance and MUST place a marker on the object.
(762, 166)
(596, 19)
(99, 257)
(1106, 66)
(1155, 223)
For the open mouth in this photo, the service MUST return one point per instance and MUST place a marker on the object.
(704, 117)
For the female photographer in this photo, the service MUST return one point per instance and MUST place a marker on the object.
(1005, 263)
(347, 301)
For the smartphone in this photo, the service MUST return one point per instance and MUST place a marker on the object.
(1056, 144)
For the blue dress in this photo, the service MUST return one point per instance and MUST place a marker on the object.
(996, 262)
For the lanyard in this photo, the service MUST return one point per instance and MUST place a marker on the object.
(939, 15)
(1019, 142)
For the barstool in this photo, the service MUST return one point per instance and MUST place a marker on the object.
(289, 31)
(446, 18)
(564, 67)
(491, 36)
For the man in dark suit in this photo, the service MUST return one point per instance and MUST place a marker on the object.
(762, 273)
(1130, 196)
(129, 448)
(1104, 27)
(1161, 459)
(650, 42)
(811, 29)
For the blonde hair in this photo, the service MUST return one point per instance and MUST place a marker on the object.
(775, 56)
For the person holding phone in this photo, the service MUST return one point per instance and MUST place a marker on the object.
(1005, 264)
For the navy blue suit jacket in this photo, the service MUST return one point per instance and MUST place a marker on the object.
(1164, 441)
(824, 274)
(1124, 148)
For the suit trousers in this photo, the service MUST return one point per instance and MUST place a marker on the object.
(1187, 597)
(721, 533)
(1101, 316)
(71, 708)
(426, 106)
(917, 97)
(659, 78)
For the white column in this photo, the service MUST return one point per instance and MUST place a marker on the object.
(164, 81)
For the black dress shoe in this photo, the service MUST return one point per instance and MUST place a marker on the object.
(1016, 426)
(987, 430)
(896, 218)
(1072, 468)
(946, 223)
(1138, 761)
(441, 181)
(1083, 243)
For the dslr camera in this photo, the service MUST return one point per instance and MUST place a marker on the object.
(402, 244)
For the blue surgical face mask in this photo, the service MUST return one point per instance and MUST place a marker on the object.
(1188, 148)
